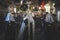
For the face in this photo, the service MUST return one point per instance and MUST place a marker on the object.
(11, 9)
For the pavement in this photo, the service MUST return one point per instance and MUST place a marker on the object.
(40, 35)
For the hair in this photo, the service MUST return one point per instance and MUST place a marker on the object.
(46, 12)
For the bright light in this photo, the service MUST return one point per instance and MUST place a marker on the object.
(39, 7)
(21, 1)
(15, 10)
(58, 15)
(33, 7)
(53, 4)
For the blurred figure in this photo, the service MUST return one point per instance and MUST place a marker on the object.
(42, 21)
(48, 24)
(10, 25)
(22, 27)
(49, 18)
(18, 20)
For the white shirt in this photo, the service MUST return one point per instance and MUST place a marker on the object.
(49, 18)
(9, 17)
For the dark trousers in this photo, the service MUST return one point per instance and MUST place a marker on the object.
(1, 27)
(31, 31)
(25, 35)
(50, 34)
(10, 31)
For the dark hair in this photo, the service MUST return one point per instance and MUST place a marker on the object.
(46, 12)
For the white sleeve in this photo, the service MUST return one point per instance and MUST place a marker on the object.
(25, 18)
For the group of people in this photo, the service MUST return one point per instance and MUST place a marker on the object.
(48, 24)
(16, 24)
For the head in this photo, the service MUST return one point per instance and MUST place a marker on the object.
(11, 9)
(46, 12)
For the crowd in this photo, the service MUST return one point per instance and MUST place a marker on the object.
(15, 25)
(49, 25)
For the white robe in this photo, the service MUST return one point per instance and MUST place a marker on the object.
(29, 17)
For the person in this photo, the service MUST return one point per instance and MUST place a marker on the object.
(42, 21)
(49, 18)
(22, 29)
(18, 20)
(48, 21)
(10, 25)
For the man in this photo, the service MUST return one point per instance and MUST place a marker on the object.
(48, 21)
(49, 18)
(10, 25)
